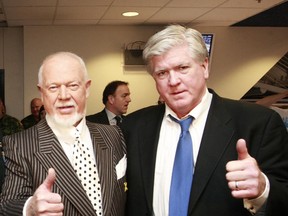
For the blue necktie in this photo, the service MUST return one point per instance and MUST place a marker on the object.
(182, 176)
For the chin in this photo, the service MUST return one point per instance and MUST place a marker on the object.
(67, 121)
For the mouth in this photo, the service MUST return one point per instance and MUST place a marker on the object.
(67, 109)
(177, 93)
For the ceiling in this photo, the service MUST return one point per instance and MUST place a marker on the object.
(152, 12)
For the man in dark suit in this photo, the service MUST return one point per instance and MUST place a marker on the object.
(42, 177)
(239, 149)
(33, 118)
(116, 98)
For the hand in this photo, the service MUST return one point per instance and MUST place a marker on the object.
(44, 202)
(244, 177)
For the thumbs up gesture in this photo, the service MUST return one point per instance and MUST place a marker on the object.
(44, 202)
(244, 177)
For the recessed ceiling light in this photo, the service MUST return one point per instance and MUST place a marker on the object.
(130, 14)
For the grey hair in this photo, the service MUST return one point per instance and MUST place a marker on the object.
(172, 36)
(59, 54)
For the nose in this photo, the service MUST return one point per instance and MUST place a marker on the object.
(173, 78)
(63, 93)
(129, 99)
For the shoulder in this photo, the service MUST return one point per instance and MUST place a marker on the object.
(237, 105)
(10, 119)
(19, 140)
(28, 121)
(146, 112)
(143, 118)
(10, 125)
(243, 112)
(96, 116)
(28, 118)
(111, 135)
(103, 129)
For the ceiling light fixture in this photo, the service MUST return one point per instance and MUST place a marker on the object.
(130, 14)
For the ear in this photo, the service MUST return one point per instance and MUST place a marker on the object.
(39, 88)
(205, 66)
(41, 91)
(111, 99)
(87, 86)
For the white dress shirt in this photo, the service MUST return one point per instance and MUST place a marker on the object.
(66, 137)
(167, 145)
(111, 117)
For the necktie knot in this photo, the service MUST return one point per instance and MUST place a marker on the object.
(118, 119)
(185, 123)
(77, 134)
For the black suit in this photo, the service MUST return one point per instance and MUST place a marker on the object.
(227, 121)
(100, 117)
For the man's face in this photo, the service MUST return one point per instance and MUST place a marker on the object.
(64, 90)
(180, 80)
(120, 100)
(35, 107)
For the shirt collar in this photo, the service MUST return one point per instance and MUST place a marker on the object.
(65, 134)
(110, 114)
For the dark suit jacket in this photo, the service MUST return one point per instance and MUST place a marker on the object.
(32, 152)
(227, 121)
(100, 117)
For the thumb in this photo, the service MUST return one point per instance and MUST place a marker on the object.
(50, 179)
(242, 149)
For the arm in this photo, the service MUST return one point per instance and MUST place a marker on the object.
(18, 186)
(275, 165)
(271, 159)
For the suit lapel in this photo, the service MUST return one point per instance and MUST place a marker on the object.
(105, 166)
(104, 117)
(51, 155)
(216, 137)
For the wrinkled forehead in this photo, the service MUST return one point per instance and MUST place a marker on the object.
(66, 70)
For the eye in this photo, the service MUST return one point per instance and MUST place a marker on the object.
(124, 95)
(161, 74)
(183, 68)
(73, 86)
(53, 88)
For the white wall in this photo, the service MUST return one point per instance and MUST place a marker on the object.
(241, 56)
(102, 50)
(11, 59)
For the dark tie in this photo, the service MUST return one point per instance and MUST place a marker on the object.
(118, 120)
(182, 175)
